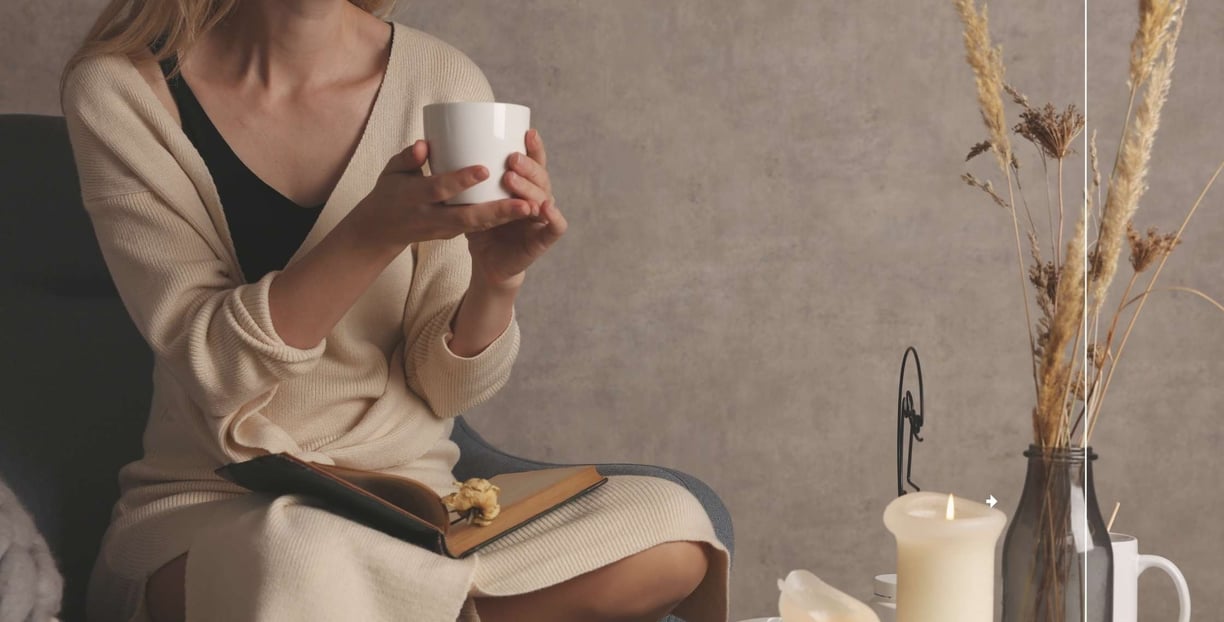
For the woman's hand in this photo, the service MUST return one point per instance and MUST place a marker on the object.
(405, 206)
(501, 254)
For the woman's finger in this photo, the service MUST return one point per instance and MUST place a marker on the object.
(555, 223)
(535, 147)
(530, 169)
(446, 186)
(409, 160)
(525, 188)
(483, 216)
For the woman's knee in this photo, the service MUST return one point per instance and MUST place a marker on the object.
(686, 567)
(653, 581)
(682, 567)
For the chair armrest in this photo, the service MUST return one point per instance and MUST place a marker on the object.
(477, 458)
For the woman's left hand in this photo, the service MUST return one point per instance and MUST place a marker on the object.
(501, 255)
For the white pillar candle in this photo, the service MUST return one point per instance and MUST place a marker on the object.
(945, 557)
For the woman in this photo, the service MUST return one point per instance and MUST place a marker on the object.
(253, 171)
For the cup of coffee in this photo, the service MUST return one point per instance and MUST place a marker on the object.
(462, 134)
(1128, 564)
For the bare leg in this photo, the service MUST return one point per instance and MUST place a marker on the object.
(640, 588)
(164, 596)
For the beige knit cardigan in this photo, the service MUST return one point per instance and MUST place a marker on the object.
(380, 392)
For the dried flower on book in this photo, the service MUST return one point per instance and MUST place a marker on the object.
(475, 500)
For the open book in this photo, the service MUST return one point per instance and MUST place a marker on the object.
(408, 509)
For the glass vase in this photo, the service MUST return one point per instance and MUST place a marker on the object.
(1057, 557)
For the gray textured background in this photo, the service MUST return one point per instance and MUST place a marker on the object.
(766, 210)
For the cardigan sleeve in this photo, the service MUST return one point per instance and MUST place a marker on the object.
(214, 333)
(449, 383)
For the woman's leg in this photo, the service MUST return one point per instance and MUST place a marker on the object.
(640, 588)
(164, 597)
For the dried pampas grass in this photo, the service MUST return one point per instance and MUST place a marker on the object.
(1072, 365)
(1128, 183)
(1155, 17)
(987, 64)
(1064, 327)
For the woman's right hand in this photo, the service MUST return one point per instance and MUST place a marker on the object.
(405, 206)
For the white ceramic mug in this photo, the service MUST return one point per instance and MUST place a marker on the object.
(884, 597)
(1128, 564)
(462, 134)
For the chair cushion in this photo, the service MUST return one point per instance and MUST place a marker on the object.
(77, 376)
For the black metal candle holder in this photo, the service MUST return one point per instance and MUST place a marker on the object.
(906, 412)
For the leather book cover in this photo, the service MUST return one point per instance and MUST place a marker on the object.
(283, 474)
(409, 510)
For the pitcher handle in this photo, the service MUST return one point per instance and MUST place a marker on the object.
(1179, 581)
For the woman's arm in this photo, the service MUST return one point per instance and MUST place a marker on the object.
(483, 329)
(460, 338)
(310, 296)
(484, 314)
(212, 334)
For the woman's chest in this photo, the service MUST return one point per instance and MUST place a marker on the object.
(299, 145)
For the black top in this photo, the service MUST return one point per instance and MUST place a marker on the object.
(266, 226)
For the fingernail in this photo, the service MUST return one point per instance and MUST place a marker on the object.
(537, 135)
(514, 159)
(482, 173)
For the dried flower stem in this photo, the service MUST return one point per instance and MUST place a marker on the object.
(987, 187)
(1058, 261)
(986, 61)
(1128, 182)
(1024, 201)
(1028, 317)
(1049, 209)
(1068, 315)
(1099, 372)
(1096, 406)
(1094, 192)
(1177, 288)
(1151, 68)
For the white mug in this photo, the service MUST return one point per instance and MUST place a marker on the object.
(462, 134)
(1128, 564)
(884, 597)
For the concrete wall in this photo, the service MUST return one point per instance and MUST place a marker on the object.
(766, 210)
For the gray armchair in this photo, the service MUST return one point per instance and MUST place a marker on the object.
(77, 375)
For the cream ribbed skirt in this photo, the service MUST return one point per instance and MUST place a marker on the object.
(252, 558)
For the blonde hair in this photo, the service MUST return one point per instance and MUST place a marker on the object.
(130, 27)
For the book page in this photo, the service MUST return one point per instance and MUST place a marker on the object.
(407, 494)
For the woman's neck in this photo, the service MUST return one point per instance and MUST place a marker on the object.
(284, 46)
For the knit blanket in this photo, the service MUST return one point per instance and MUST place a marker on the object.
(30, 584)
